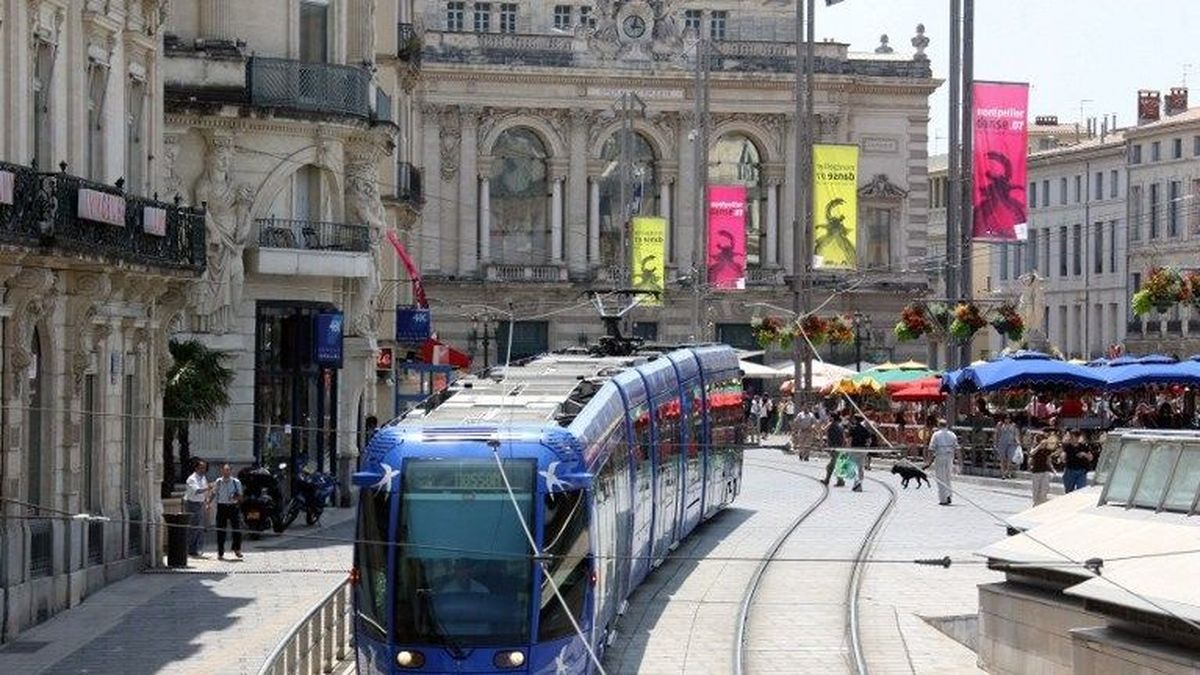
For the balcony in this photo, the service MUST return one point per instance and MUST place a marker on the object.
(308, 87)
(526, 273)
(58, 212)
(408, 184)
(408, 44)
(312, 248)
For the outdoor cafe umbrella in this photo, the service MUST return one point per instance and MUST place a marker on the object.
(1140, 375)
(757, 371)
(923, 391)
(1028, 369)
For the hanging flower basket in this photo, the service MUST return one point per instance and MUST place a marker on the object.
(914, 322)
(816, 328)
(1191, 288)
(1008, 322)
(767, 330)
(1164, 288)
(840, 330)
(967, 321)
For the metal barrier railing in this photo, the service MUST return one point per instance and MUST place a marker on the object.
(319, 641)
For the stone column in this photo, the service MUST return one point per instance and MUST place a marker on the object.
(430, 231)
(772, 223)
(217, 20)
(485, 220)
(577, 192)
(556, 219)
(594, 220)
(789, 202)
(664, 210)
(468, 188)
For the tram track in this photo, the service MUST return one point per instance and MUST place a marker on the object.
(853, 585)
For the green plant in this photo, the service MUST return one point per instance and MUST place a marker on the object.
(967, 320)
(197, 389)
(1164, 287)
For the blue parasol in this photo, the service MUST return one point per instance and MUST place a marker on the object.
(1140, 375)
(1156, 359)
(1028, 369)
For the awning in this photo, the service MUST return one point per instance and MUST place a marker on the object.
(438, 353)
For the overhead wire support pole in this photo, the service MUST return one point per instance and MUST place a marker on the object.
(801, 244)
(700, 169)
(967, 164)
(954, 177)
(625, 108)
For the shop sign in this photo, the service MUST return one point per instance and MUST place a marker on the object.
(101, 207)
(154, 221)
(328, 343)
(413, 325)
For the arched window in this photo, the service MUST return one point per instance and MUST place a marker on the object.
(641, 193)
(736, 161)
(519, 194)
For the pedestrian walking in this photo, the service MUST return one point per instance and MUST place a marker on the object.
(1039, 465)
(802, 426)
(764, 416)
(196, 498)
(943, 445)
(756, 412)
(835, 437)
(1007, 445)
(860, 437)
(1078, 458)
(228, 491)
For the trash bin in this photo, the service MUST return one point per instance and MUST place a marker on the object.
(177, 538)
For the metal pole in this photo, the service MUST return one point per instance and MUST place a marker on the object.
(486, 342)
(623, 221)
(954, 173)
(966, 228)
(700, 169)
(858, 344)
(802, 230)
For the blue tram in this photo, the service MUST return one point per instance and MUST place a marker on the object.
(610, 461)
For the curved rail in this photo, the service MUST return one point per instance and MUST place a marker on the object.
(739, 643)
(857, 660)
(317, 642)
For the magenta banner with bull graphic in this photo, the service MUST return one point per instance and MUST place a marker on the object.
(1001, 148)
(727, 236)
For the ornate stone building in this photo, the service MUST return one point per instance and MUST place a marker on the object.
(94, 273)
(276, 119)
(520, 128)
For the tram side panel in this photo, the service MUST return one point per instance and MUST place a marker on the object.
(633, 393)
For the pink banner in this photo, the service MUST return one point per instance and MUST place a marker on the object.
(1001, 148)
(727, 236)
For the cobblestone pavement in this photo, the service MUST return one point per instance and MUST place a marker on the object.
(214, 617)
(682, 619)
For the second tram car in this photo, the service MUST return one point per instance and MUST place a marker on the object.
(607, 461)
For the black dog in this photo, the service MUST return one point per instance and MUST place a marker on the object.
(908, 472)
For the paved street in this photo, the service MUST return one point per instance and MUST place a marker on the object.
(683, 619)
(214, 617)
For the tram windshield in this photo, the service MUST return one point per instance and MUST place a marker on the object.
(463, 573)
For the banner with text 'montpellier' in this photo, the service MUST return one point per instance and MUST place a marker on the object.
(1001, 148)
(727, 236)
(649, 256)
(835, 206)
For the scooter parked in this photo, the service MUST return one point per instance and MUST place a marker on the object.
(311, 491)
(262, 503)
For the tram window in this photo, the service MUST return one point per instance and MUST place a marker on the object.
(370, 557)
(1184, 482)
(696, 440)
(1124, 475)
(565, 541)
(1155, 476)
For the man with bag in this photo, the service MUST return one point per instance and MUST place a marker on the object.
(835, 437)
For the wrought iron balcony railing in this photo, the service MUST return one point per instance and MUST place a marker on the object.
(67, 213)
(309, 87)
(312, 235)
(408, 184)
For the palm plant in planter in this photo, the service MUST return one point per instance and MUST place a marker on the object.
(197, 389)
(1163, 289)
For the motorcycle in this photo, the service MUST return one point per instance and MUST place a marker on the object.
(311, 491)
(262, 501)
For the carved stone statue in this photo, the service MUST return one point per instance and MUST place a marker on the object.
(172, 183)
(919, 43)
(228, 230)
(449, 139)
(365, 207)
(884, 47)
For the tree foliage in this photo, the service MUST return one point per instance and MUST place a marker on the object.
(197, 384)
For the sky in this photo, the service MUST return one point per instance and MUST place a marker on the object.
(1090, 53)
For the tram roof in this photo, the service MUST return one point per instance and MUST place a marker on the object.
(531, 392)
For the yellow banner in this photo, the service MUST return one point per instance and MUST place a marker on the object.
(835, 206)
(649, 256)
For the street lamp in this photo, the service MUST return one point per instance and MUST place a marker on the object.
(474, 336)
(862, 325)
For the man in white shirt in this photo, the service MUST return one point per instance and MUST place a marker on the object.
(228, 493)
(195, 499)
(943, 445)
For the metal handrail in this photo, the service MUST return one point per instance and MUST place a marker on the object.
(318, 641)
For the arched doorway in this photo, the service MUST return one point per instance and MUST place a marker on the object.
(519, 225)
(736, 160)
(641, 193)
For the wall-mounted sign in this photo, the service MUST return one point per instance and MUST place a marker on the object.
(327, 346)
(384, 360)
(154, 221)
(7, 180)
(413, 325)
(101, 207)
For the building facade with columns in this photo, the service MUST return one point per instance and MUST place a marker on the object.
(277, 121)
(524, 122)
(95, 272)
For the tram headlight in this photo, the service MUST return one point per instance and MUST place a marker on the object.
(409, 659)
(513, 659)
